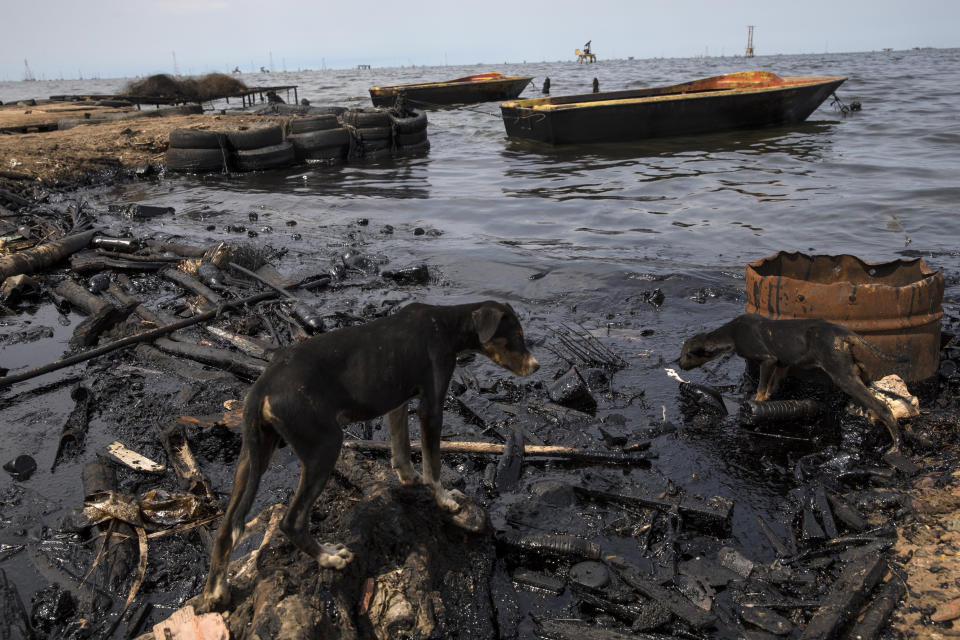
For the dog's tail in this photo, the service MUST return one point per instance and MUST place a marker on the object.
(860, 341)
(260, 440)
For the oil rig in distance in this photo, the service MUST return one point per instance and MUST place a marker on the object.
(749, 52)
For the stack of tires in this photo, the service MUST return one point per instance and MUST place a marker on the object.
(253, 149)
(410, 130)
(372, 130)
(196, 151)
(319, 137)
(314, 134)
(261, 148)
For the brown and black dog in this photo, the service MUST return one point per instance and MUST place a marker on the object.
(781, 345)
(358, 373)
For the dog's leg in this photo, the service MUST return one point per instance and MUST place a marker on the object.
(770, 378)
(317, 444)
(431, 425)
(776, 379)
(400, 446)
(255, 454)
(851, 384)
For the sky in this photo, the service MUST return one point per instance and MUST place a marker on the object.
(126, 38)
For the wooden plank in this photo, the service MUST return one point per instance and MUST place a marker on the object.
(875, 618)
(845, 597)
(711, 512)
(679, 605)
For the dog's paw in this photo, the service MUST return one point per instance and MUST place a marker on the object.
(334, 556)
(207, 602)
(449, 500)
(407, 474)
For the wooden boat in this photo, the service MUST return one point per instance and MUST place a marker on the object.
(749, 99)
(481, 87)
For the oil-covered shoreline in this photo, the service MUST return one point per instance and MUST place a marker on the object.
(640, 314)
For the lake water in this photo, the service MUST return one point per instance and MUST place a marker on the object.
(582, 234)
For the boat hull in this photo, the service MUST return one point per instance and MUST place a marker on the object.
(448, 93)
(648, 113)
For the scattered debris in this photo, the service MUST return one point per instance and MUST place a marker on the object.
(132, 459)
(892, 391)
(21, 468)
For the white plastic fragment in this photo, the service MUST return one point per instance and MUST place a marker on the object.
(132, 459)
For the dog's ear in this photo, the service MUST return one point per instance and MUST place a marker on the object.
(486, 319)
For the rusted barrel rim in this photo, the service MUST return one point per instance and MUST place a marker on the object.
(925, 292)
(925, 270)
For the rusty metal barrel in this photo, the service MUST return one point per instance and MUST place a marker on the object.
(895, 306)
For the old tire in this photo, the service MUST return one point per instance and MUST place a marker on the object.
(327, 138)
(367, 117)
(410, 139)
(195, 160)
(248, 139)
(320, 144)
(412, 124)
(273, 157)
(374, 133)
(314, 123)
(196, 139)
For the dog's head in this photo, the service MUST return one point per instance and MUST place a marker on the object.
(501, 338)
(699, 350)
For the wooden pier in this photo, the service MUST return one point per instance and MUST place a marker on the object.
(247, 96)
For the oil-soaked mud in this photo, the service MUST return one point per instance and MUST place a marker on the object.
(658, 567)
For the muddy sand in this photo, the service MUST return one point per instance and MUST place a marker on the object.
(91, 152)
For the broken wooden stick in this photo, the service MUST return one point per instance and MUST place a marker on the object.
(489, 448)
(147, 336)
(44, 255)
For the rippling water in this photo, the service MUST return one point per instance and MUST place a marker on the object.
(599, 225)
(872, 183)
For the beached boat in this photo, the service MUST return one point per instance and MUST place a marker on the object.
(480, 87)
(749, 99)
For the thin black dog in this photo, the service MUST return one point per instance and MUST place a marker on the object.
(313, 388)
(781, 345)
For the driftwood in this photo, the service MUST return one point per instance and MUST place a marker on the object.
(220, 358)
(190, 283)
(43, 256)
(488, 448)
(93, 262)
(249, 346)
(101, 314)
(80, 297)
(146, 336)
(87, 332)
